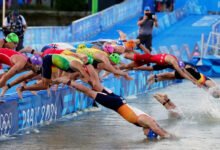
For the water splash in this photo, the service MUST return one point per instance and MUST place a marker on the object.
(6, 137)
(204, 108)
(211, 105)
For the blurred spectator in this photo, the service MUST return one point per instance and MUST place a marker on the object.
(15, 23)
(164, 5)
(169, 5)
(159, 5)
(146, 24)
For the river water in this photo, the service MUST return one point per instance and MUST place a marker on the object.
(197, 129)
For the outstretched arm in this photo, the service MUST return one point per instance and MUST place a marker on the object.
(30, 50)
(108, 67)
(19, 63)
(76, 85)
(148, 68)
(18, 80)
(129, 66)
(183, 74)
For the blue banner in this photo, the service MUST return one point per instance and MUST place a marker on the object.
(47, 107)
(39, 109)
(8, 118)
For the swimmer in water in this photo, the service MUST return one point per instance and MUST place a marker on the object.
(162, 61)
(118, 104)
(205, 81)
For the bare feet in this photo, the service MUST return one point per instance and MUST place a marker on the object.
(150, 80)
(4, 90)
(34, 92)
(164, 100)
(19, 92)
(24, 84)
(61, 80)
(170, 106)
(127, 77)
(122, 35)
(48, 92)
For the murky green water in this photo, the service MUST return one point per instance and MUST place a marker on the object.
(198, 129)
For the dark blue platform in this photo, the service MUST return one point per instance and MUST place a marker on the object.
(209, 65)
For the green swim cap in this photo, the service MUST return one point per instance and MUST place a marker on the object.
(12, 37)
(81, 46)
(115, 58)
(90, 59)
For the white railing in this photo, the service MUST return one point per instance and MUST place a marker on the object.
(213, 43)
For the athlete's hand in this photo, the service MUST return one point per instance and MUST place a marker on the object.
(198, 84)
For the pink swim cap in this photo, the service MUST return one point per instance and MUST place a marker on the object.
(108, 48)
(196, 54)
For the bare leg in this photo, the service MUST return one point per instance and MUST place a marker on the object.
(161, 77)
(75, 65)
(41, 85)
(94, 79)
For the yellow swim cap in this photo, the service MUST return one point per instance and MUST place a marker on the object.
(81, 46)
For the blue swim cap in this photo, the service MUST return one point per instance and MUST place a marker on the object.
(46, 47)
(119, 42)
(151, 135)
